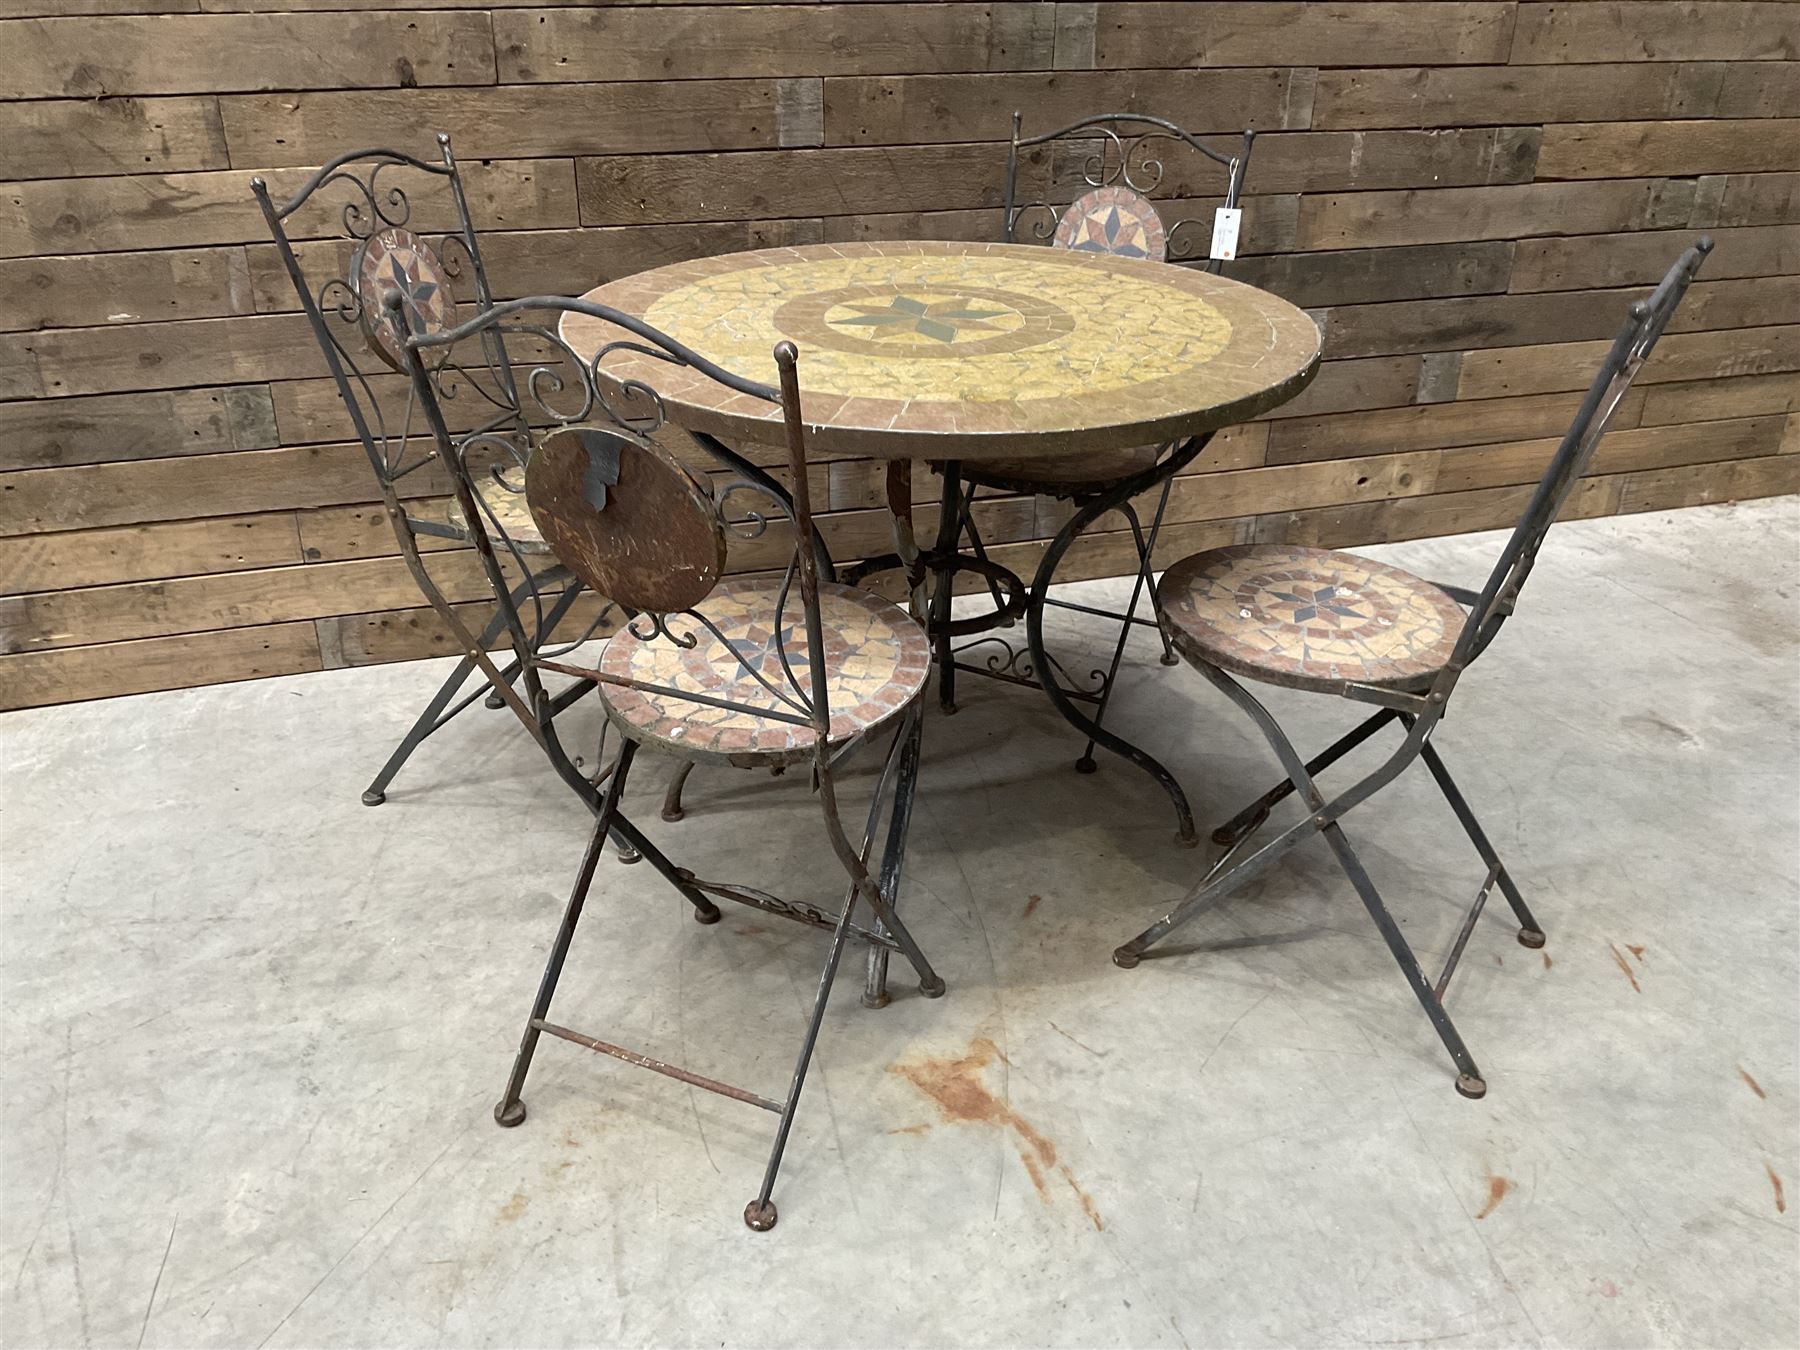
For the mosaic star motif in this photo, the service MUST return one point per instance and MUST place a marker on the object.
(876, 658)
(941, 320)
(398, 260)
(1112, 220)
(1308, 617)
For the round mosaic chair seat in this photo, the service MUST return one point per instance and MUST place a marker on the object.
(1310, 618)
(513, 515)
(877, 659)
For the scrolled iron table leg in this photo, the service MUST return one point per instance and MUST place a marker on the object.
(1072, 530)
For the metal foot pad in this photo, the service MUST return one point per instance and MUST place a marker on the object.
(880, 1000)
(710, 914)
(760, 1217)
(1530, 937)
(1470, 1086)
(1086, 764)
(932, 988)
(676, 814)
(374, 798)
(1170, 659)
(509, 1115)
(493, 701)
(1125, 959)
(628, 856)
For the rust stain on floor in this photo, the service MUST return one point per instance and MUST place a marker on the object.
(955, 1087)
(1547, 961)
(513, 1208)
(1031, 904)
(1497, 1188)
(1636, 949)
(1780, 1194)
(1624, 965)
(920, 1128)
(1754, 1086)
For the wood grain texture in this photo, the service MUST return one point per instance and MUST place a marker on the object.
(1465, 193)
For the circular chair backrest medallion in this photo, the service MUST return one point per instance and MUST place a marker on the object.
(398, 260)
(1113, 220)
(626, 518)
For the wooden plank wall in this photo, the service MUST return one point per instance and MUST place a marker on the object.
(1464, 193)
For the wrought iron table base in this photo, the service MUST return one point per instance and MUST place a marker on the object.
(1042, 668)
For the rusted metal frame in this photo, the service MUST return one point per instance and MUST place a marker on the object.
(796, 910)
(1251, 818)
(1324, 819)
(1123, 491)
(766, 481)
(1531, 933)
(1462, 936)
(510, 1110)
(493, 345)
(674, 1071)
(535, 710)
(949, 518)
(786, 359)
(689, 696)
(1086, 763)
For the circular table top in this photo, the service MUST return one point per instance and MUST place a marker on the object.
(934, 350)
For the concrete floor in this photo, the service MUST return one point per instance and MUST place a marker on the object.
(254, 1030)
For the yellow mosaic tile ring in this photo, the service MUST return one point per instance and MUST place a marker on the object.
(877, 658)
(1309, 618)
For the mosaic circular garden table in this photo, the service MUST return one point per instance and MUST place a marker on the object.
(944, 351)
(950, 352)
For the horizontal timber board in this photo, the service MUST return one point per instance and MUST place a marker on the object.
(1577, 262)
(72, 558)
(50, 433)
(1625, 149)
(503, 122)
(67, 138)
(1519, 95)
(201, 53)
(1522, 320)
(688, 42)
(114, 288)
(1655, 30)
(34, 679)
(101, 215)
(1314, 34)
(1507, 371)
(227, 484)
(931, 109)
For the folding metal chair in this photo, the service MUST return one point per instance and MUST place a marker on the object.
(752, 672)
(353, 223)
(1105, 208)
(1333, 623)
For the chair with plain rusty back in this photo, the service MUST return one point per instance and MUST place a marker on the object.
(1101, 172)
(745, 671)
(1333, 623)
(354, 234)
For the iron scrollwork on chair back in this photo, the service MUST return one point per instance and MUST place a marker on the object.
(393, 225)
(630, 520)
(1099, 176)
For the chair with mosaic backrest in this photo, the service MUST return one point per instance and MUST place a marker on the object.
(746, 671)
(1333, 623)
(374, 223)
(1100, 174)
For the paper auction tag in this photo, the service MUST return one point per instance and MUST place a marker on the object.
(1225, 232)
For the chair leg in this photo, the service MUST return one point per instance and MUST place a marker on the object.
(427, 722)
(672, 808)
(1250, 819)
(1469, 1081)
(511, 1109)
(949, 531)
(1086, 763)
(1531, 934)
